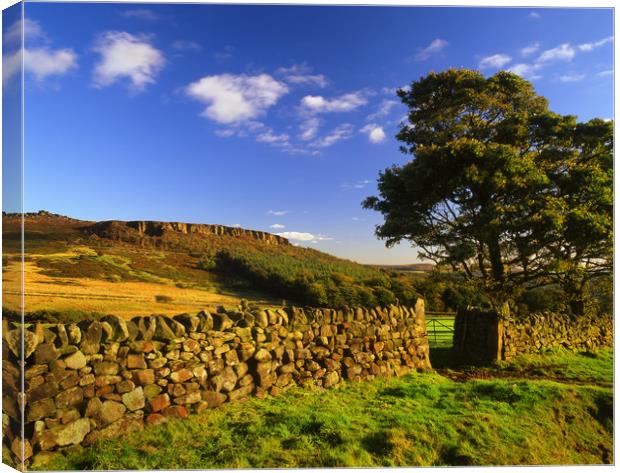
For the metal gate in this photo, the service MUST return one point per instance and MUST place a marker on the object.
(440, 328)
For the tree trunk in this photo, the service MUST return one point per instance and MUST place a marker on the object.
(497, 265)
(577, 306)
(576, 293)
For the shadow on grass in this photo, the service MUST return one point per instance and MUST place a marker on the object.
(378, 443)
(604, 412)
(452, 456)
(444, 357)
(322, 432)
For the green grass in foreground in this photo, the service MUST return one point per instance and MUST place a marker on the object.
(585, 367)
(419, 419)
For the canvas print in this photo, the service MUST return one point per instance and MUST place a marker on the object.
(264, 236)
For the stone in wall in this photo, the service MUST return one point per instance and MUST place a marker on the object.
(538, 332)
(98, 379)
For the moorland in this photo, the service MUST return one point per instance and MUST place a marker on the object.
(77, 269)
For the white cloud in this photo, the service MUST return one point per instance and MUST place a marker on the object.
(225, 133)
(344, 103)
(141, 14)
(182, 45)
(11, 64)
(586, 47)
(32, 30)
(564, 52)
(535, 15)
(269, 137)
(236, 225)
(527, 71)
(309, 128)
(571, 77)
(342, 132)
(530, 49)
(375, 133)
(356, 185)
(40, 61)
(301, 74)
(384, 109)
(495, 61)
(434, 47)
(255, 126)
(298, 236)
(124, 55)
(236, 98)
(43, 62)
(279, 213)
(295, 151)
(389, 90)
(608, 72)
(264, 134)
(277, 226)
(303, 236)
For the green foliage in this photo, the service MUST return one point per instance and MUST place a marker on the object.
(553, 298)
(447, 291)
(540, 299)
(601, 289)
(310, 277)
(418, 420)
(499, 187)
(207, 263)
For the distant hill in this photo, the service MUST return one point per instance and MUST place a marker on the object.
(140, 267)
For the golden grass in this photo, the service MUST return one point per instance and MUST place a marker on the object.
(126, 299)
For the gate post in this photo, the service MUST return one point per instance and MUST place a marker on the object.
(478, 335)
(420, 317)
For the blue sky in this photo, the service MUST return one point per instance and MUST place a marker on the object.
(276, 118)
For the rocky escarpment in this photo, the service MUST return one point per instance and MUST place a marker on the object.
(139, 230)
(42, 216)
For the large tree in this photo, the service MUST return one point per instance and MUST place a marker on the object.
(498, 185)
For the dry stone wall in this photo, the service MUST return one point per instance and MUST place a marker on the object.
(486, 336)
(97, 379)
(539, 332)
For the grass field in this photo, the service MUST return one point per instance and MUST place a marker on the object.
(505, 415)
(440, 328)
(126, 298)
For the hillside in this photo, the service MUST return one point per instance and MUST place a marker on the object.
(414, 267)
(141, 267)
